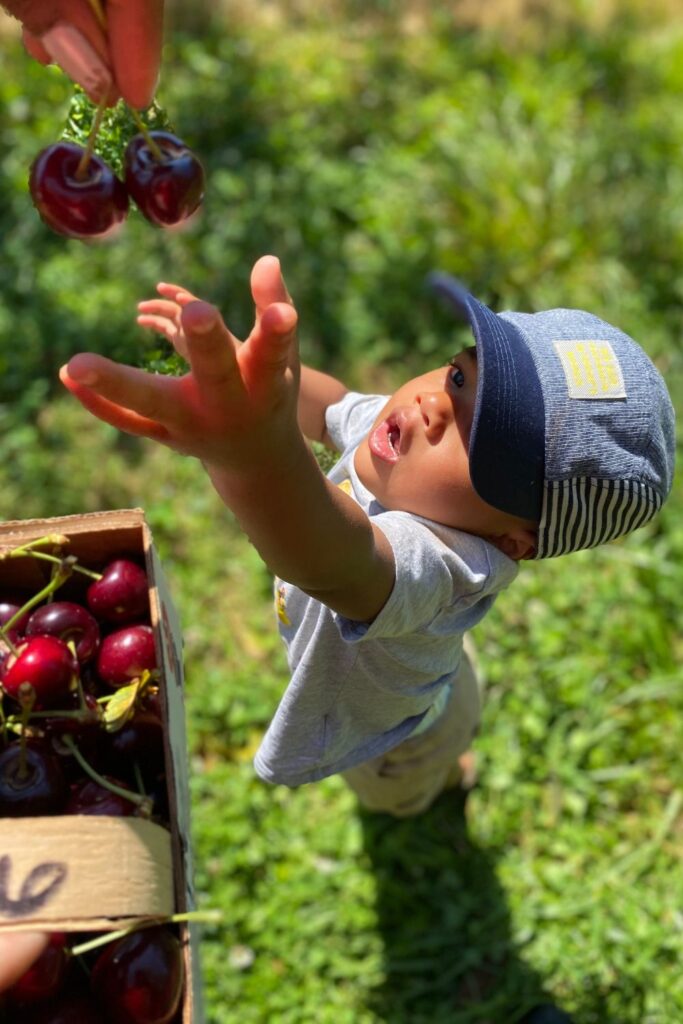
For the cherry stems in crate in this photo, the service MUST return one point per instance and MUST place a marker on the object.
(143, 802)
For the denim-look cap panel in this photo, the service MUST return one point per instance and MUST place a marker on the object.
(563, 394)
(507, 441)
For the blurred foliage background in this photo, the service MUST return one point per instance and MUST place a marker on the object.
(534, 150)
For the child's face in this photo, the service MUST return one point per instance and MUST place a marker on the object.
(415, 457)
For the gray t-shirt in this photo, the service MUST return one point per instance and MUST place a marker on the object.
(358, 689)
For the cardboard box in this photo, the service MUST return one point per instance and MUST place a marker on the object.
(90, 873)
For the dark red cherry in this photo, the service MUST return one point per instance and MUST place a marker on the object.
(73, 1006)
(126, 654)
(89, 722)
(47, 664)
(140, 740)
(87, 206)
(139, 978)
(68, 621)
(45, 977)
(7, 612)
(166, 191)
(121, 595)
(89, 797)
(31, 783)
(86, 730)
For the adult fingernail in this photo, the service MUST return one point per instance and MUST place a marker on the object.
(71, 50)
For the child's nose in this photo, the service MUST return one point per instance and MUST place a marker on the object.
(436, 411)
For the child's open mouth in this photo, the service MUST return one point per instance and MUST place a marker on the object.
(385, 440)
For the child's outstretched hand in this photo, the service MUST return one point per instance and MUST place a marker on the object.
(236, 406)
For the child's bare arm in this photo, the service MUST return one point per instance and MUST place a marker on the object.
(236, 411)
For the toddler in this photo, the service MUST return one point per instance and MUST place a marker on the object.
(553, 432)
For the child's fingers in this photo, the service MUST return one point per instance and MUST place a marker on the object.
(176, 293)
(272, 343)
(136, 392)
(267, 284)
(211, 349)
(160, 307)
(168, 329)
(109, 412)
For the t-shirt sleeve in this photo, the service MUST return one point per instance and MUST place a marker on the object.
(440, 587)
(349, 420)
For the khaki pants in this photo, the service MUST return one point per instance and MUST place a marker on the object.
(406, 780)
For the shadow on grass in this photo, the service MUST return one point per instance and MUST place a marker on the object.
(449, 953)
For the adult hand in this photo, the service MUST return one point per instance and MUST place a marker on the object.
(119, 58)
(17, 952)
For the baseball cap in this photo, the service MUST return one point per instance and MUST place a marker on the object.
(573, 426)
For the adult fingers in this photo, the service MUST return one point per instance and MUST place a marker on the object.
(17, 953)
(39, 15)
(141, 397)
(135, 31)
(70, 35)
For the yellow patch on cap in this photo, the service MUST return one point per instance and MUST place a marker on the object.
(591, 369)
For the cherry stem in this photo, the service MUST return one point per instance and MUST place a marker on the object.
(6, 639)
(191, 916)
(60, 576)
(135, 798)
(43, 556)
(51, 539)
(144, 130)
(28, 699)
(83, 163)
(13, 720)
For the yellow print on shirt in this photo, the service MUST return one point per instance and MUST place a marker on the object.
(280, 608)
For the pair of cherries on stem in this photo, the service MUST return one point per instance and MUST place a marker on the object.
(78, 195)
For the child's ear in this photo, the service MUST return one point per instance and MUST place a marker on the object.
(516, 544)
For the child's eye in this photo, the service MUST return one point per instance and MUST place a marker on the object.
(455, 375)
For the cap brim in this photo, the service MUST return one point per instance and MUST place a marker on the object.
(507, 441)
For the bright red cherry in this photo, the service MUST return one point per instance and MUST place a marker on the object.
(45, 977)
(68, 621)
(87, 206)
(121, 595)
(126, 654)
(31, 780)
(139, 978)
(166, 191)
(47, 664)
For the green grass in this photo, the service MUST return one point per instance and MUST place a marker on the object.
(563, 882)
(538, 158)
